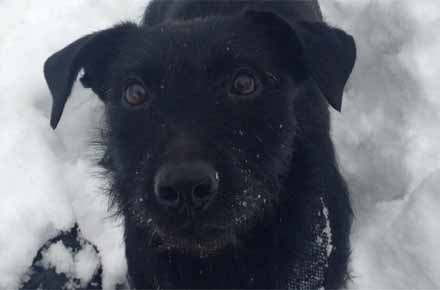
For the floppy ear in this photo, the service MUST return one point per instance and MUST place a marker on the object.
(93, 53)
(328, 53)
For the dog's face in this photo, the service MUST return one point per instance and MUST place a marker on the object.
(200, 120)
(200, 128)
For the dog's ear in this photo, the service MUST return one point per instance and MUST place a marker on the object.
(328, 53)
(93, 53)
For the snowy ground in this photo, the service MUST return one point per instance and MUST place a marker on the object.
(387, 137)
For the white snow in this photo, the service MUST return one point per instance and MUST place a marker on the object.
(86, 264)
(47, 179)
(387, 138)
(327, 231)
(60, 258)
(388, 141)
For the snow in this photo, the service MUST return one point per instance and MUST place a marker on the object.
(399, 246)
(86, 264)
(327, 231)
(58, 257)
(387, 140)
(49, 182)
(80, 266)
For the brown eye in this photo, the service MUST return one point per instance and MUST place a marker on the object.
(244, 84)
(135, 94)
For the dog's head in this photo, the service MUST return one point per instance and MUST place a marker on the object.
(200, 116)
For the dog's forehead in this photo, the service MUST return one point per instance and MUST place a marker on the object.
(196, 41)
(206, 31)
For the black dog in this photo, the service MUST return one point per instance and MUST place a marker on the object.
(217, 141)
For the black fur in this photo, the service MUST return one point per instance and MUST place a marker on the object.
(272, 151)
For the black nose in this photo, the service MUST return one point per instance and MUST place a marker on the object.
(191, 183)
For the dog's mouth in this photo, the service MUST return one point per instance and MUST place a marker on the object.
(198, 231)
(194, 239)
(223, 227)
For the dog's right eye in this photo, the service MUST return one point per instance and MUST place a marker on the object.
(244, 84)
(135, 94)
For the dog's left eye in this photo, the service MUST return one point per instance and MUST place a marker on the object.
(135, 94)
(244, 84)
